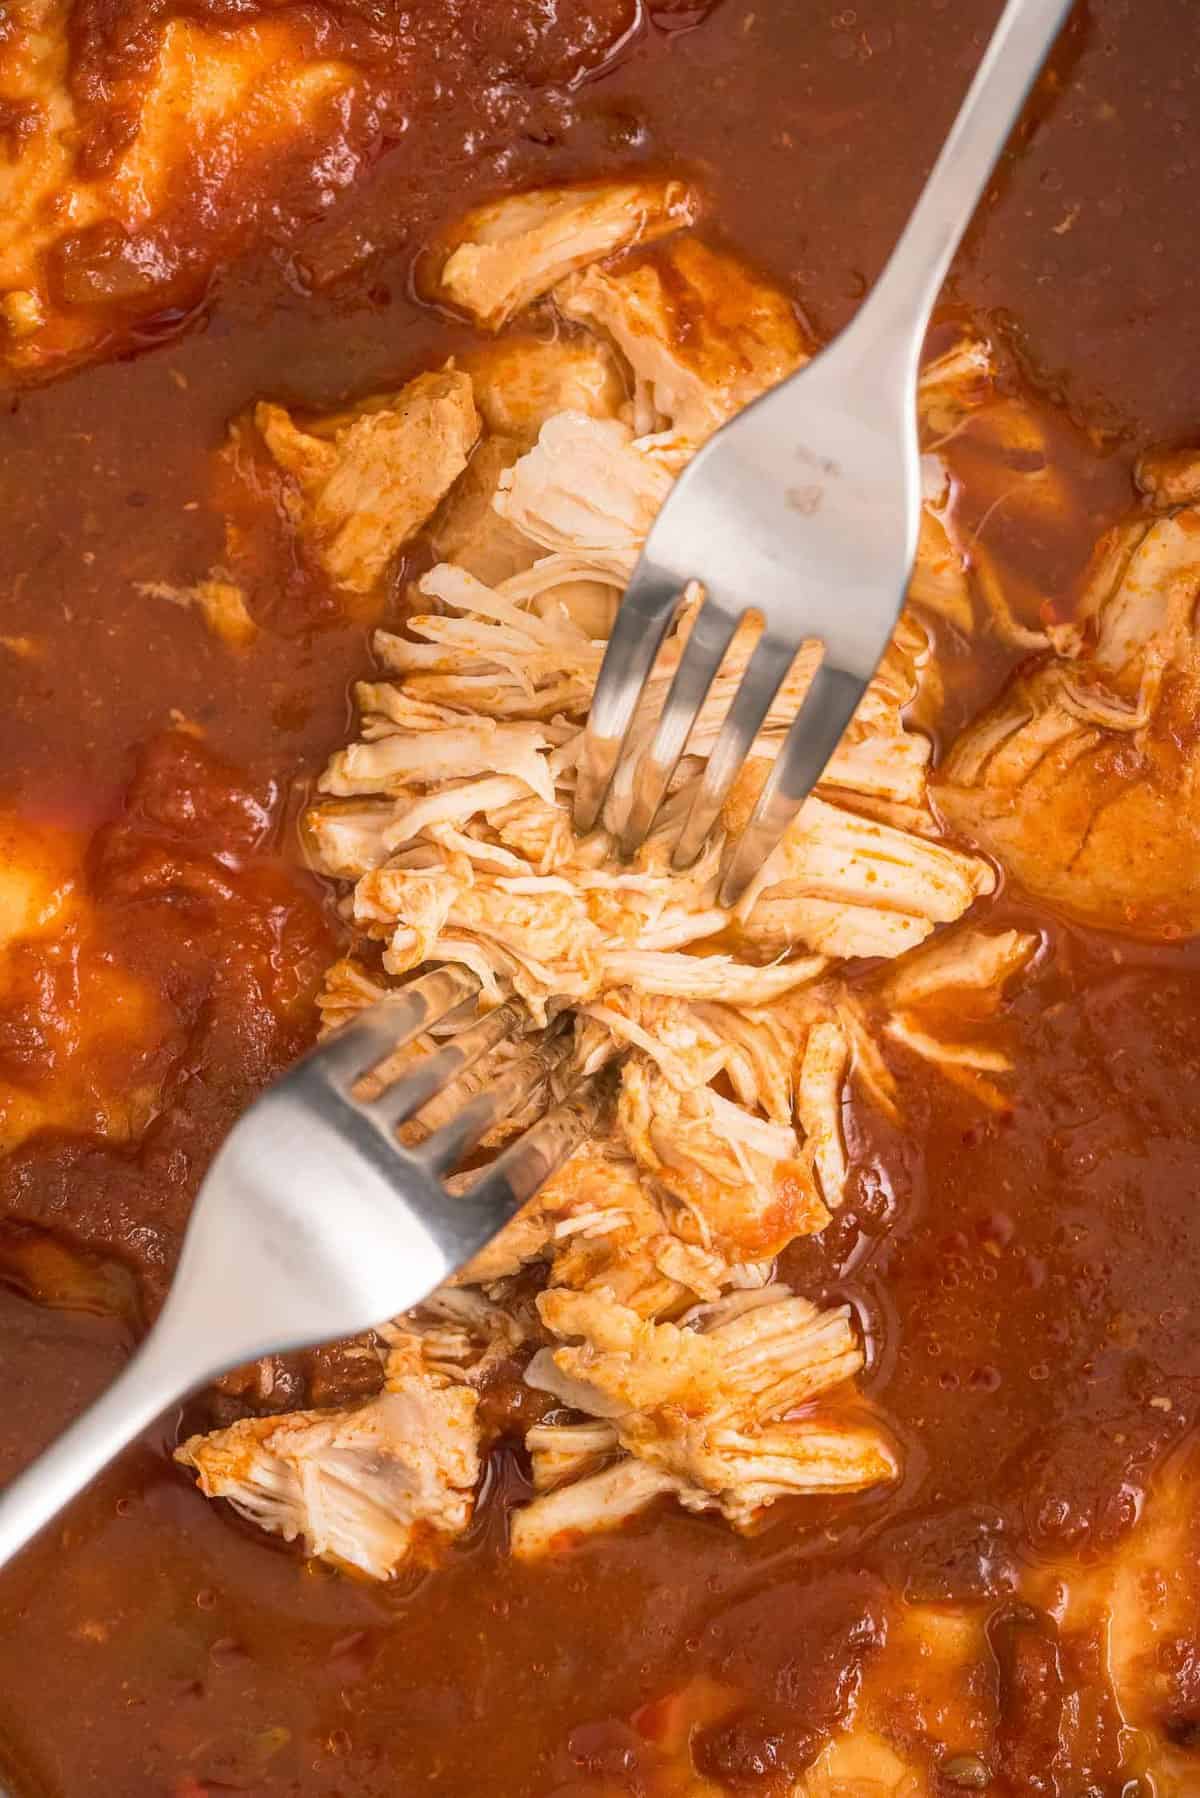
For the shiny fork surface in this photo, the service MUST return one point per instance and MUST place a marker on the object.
(314, 1221)
(803, 510)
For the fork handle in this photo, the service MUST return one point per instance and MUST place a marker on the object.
(143, 1390)
(912, 279)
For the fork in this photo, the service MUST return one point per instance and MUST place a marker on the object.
(314, 1221)
(803, 510)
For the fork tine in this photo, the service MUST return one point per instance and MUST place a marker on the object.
(765, 674)
(517, 1174)
(379, 1030)
(445, 1147)
(645, 617)
(711, 634)
(815, 733)
(417, 1085)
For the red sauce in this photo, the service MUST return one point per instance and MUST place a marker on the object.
(1027, 1278)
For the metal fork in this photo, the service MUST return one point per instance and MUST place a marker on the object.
(314, 1222)
(805, 510)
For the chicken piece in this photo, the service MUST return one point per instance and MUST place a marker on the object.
(468, 531)
(601, 1501)
(83, 1032)
(561, 1453)
(789, 1060)
(508, 253)
(95, 221)
(935, 1699)
(1145, 1593)
(693, 1043)
(996, 449)
(709, 1415)
(764, 1354)
(941, 997)
(863, 1764)
(142, 151)
(346, 990)
(457, 1334)
(1170, 478)
(517, 652)
(595, 1197)
(702, 335)
(40, 872)
(1146, 623)
(368, 1487)
(598, 1227)
(743, 1180)
(675, 974)
(538, 934)
(846, 886)
(219, 601)
(23, 312)
(1080, 779)
(824, 1066)
(586, 489)
(398, 760)
(520, 382)
(344, 839)
(960, 967)
(369, 478)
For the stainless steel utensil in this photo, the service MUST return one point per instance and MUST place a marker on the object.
(805, 510)
(315, 1222)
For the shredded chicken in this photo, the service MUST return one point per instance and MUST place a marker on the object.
(720, 1416)
(736, 1038)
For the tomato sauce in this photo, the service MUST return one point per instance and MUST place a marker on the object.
(1029, 1280)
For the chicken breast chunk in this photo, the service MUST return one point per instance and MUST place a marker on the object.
(93, 215)
(702, 335)
(366, 480)
(375, 1484)
(1081, 778)
(506, 254)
